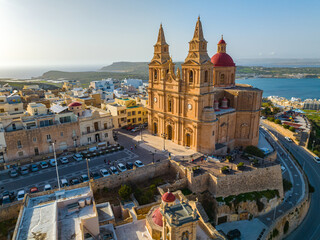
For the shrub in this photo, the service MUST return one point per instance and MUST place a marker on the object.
(287, 185)
(255, 151)
(125, 192)
(240, 165)
(286, 126)
(224, 168)
(286, 227)
(275, 232)
(292, 129)
(271, 119)
(277, 121)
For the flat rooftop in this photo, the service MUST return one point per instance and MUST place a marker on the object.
(51, 217)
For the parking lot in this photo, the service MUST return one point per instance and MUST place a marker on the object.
(74, 169)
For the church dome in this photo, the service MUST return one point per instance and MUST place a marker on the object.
(168, 197)
(222, 59)
(74, 104)
(157, 217)
(221, 41)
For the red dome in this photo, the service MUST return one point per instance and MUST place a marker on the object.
(168, 197)
(222, 60)
(75, 104)
(157, 217)
(221, 42)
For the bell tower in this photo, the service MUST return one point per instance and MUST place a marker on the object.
(197, 68)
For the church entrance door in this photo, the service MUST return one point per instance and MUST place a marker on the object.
(188, 140)
(170, 132)
(155, 128)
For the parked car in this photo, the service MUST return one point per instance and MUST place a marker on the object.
(74, 181)
(78, 157)
(317, 159)
(64, 160)
(288, 139)
(47, 187)
(84, 178)
(10, 194)
(64, 182)
(20, 195)
(129, 128)
(136, 129)
(6, 200)
(23, 170)
(121, 167)
(104, 172)
(95, 175)
(34, 190)
(52, 162)
(113, 170)
(44, 164)
(129, 165)
(34, 168)
(13, 173)
(138, 163)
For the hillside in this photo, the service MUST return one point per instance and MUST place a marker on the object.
(122, 70)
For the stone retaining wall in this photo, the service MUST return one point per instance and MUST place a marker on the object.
(267, 178)
(136, 175)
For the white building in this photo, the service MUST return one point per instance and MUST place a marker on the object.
(105, 85)
(133, 82)
(120, 92)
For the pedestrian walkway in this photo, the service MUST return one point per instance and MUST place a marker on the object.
(152, 143)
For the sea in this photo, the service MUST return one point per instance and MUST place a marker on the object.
(304, 88)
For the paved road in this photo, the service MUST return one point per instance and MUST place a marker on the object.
(309, 229)
(291, 173)
(69, 171)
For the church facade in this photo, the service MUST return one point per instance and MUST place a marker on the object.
(200, 106)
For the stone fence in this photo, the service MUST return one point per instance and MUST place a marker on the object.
(133, 176)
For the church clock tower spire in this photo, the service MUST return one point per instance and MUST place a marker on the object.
(161, 48)
(198, 46)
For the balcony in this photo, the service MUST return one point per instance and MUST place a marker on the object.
(97, 131)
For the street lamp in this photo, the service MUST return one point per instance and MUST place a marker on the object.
(55, 159)
(164, 135)
(88, 160)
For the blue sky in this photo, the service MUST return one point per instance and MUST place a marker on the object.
(38, 32)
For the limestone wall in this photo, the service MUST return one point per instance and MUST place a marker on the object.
(257, 180)
(134, 176)
(11, 210)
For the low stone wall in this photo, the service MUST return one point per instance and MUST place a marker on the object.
(137, 175)
(142, 211)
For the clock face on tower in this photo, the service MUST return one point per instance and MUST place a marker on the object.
(189, 106)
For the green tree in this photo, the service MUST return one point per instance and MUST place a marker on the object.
(253, 150)
(125, 192)
(277, 121)
(292, 129)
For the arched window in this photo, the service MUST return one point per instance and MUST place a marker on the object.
(191, 76)
(165, 49)
(155, 74)
(206, 76)
(169, 105)
(222, 78)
